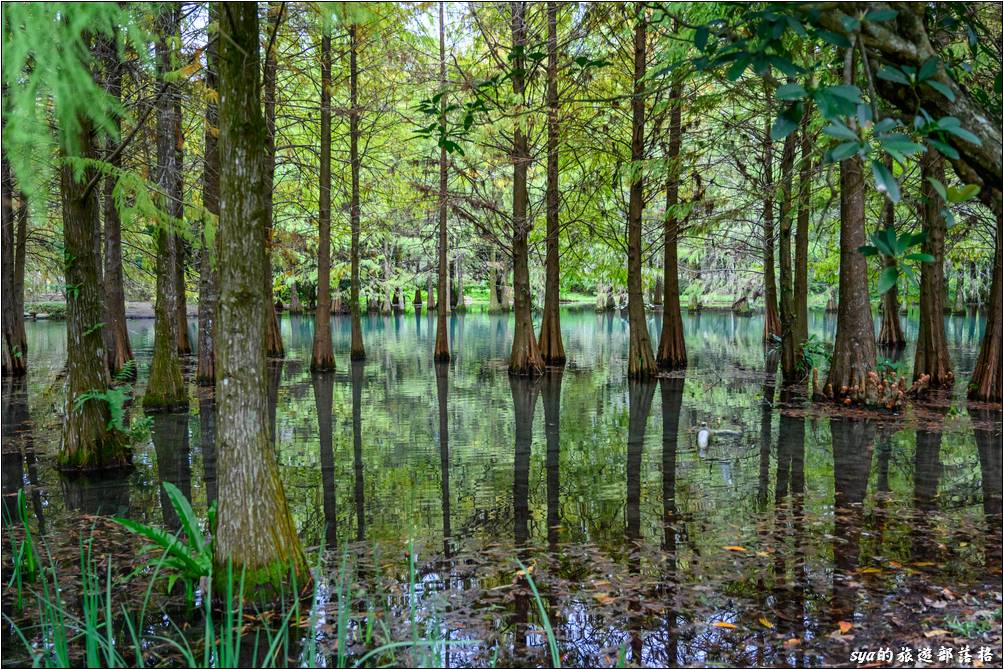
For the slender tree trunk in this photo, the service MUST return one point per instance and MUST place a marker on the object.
(205, 372)
(90, 442)
(323, 356)
(891, 333)
(771, 322)
(116, 334)
(442, 350)
(180, 246)
(790, 347)
(20, 257)
(166, 388)
(854, 346)
(932, 344)
(358, 351)
(15, 357)
(986, 382)
(801, 283)
(672, 347)
(641, 361)
(273, 336)
(251, 496)
(552, 350)
(525, 358)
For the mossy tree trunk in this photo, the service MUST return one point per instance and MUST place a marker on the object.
(15, 355)
(771, 321)
(358, 350)
(166, 388)
(118, 348)
(180, 245)
(932, 344)
(985, 384)
(442, 351)
(273, 336)
(641, 361)
(323, 357)
(251, 496)
(205, 372)
(801, 280)
(88, 441)
(525, 359)
(790, 347)
(672, 353)
(891, 332)
(552, 350)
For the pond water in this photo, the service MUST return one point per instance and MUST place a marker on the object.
(794, 536)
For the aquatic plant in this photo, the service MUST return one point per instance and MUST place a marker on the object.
(23, 551)
(190, 561)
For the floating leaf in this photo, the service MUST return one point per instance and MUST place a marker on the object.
(734, 547)
(844, 626)
(765, 622)
(724, 624)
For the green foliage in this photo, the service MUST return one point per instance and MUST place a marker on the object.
(191, 560)
(886, 243)
(23, 552)
(815, 352)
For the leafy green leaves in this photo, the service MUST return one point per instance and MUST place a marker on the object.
(886, 243)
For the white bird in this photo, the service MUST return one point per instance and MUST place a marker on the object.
(703, 438)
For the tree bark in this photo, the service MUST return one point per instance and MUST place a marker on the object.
(323, 357)
(801, 282)
(358, 351)
(116, 334)
(891, 333)
(771, 322)
(790, 347)
(641, 361)
(672, 346)
(273, 336)
(251, 496)
(180, 246)
(854, 346)
(932, 344)
(166, 388)
(205, 373)
(89, 442)
(15, 356)
(985, 384)
(442, 350)
(552, 350)
(525, 359)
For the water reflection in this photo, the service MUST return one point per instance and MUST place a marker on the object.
(171, 443)
(359, 492)
(551, 390)
(442, 398)
(324, 384)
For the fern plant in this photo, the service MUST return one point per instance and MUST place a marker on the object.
(189, 560)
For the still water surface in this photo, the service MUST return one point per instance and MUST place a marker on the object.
(786, 524)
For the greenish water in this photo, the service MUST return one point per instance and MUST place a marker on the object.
(599, 482)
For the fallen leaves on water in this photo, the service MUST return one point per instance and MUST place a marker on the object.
(792, 642)
(734, 547)
(844, 626)
(603, 598)
(937, 632)
(724, 624)
(765, 622)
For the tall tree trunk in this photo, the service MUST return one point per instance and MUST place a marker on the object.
(801, 283)
(986, 382)
(180, 246)
(205, 372)
(251, 496)
(552, 350)
(641, 361)
(672, 347)
(771, 322)
(854, 345)
(442, 350)
(358, 351)
(20, 257)
(525, 358)
(90, 442)
(932, 344)
(166, 388)
(790, 347)
(116, 334)
(15, 358)
(891, 333)
(323, 356)
(273, 336)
